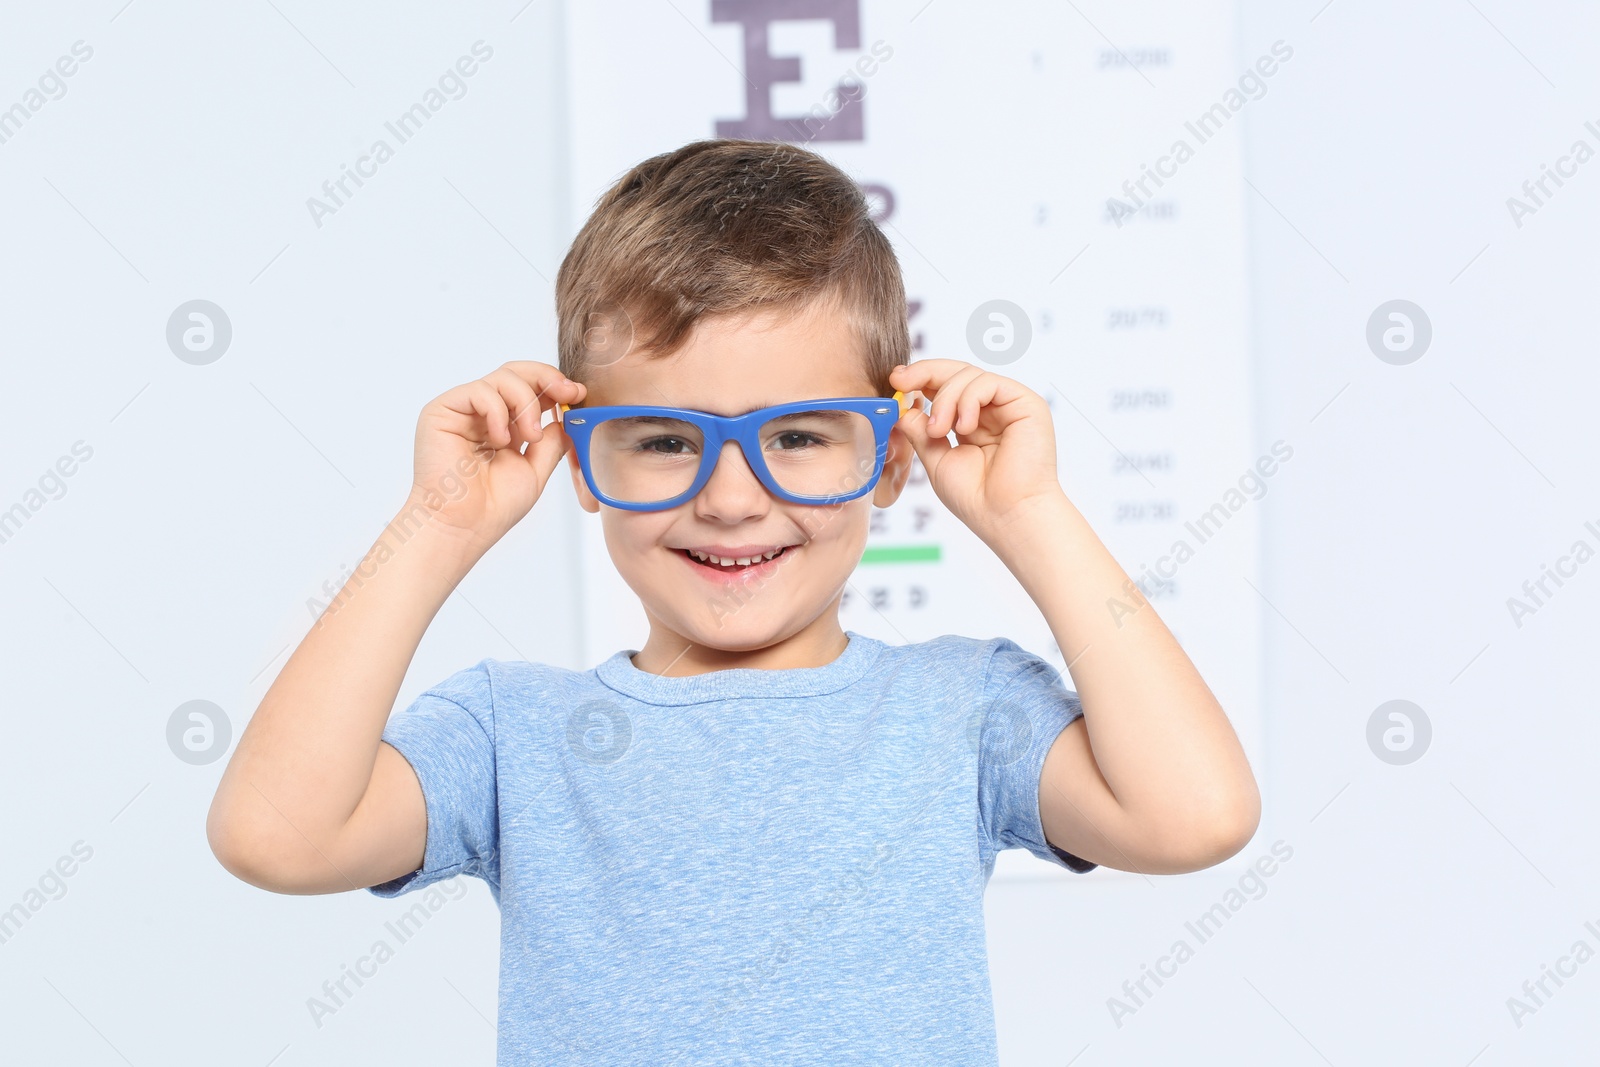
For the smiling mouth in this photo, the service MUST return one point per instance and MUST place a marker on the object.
(743, 563)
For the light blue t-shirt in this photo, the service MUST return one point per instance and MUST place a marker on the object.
(742, 867)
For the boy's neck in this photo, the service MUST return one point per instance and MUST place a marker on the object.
(670, 654)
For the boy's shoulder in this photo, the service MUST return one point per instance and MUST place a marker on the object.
(951, 664)
(988, 661)
(959, 645)
(490, 681)
(948, 647)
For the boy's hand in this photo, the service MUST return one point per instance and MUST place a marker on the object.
(470, 470)
(1006, 450)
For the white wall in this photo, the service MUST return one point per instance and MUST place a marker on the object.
(177, 564)
(1419, 898)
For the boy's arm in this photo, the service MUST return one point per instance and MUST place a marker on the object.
(312, 800)
(1152, 777)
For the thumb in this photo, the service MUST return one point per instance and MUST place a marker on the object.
(544, 455)
(930, 450)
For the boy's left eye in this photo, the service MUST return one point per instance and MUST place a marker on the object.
(795, 439)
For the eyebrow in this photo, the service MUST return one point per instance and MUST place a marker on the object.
(775, 403)
(825, 414)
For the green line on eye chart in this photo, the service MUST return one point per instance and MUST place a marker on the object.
(902, 554)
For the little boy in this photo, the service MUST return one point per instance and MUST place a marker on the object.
(759, 839)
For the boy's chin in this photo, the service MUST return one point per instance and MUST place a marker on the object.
(739, 629)
(743, 631)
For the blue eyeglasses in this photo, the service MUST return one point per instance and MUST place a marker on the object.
(643, 458)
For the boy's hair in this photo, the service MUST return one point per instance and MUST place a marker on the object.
(720, 226)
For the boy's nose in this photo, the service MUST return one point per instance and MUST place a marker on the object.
(733, 492)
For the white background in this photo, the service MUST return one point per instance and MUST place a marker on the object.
(178, 563)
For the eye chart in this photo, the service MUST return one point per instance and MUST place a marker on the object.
(1088, 242)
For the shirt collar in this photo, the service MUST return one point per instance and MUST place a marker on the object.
(619, 673)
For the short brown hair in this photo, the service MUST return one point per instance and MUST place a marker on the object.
(726, 225)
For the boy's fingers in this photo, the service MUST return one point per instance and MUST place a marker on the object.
(928, 374)
(943, 415)
(506, 406)
(929, 449)
(544, 455)
(547, 383)
(481, 401)
(521, 402)
(969, 406)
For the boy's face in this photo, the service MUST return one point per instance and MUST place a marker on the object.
(731, 365)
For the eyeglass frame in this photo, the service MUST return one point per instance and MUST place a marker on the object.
(716, 430)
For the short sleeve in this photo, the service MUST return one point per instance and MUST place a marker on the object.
(1025, 706)
(447, 735)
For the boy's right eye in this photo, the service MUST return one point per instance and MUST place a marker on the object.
(666, 446)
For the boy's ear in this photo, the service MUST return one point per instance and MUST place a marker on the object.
(896, 469)
(586, 499)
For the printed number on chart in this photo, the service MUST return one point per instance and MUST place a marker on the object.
(883, 598)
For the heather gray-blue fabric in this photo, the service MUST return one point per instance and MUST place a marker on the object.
(741, 867)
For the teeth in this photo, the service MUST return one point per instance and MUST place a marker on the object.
(742, 561)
